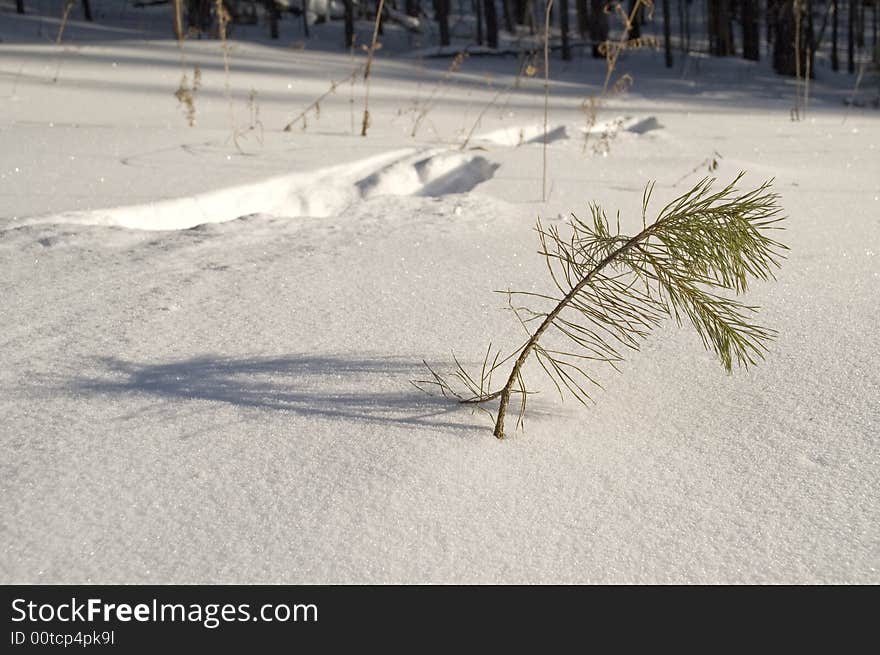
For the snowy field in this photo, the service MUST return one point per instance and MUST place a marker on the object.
(206, 349)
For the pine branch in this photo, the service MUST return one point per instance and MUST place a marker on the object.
(614, 289)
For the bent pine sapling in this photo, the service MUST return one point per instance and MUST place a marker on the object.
(612, 289)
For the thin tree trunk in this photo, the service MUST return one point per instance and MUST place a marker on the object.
(682, 42)
(563, 28)
(583, 17)
(635, 29)
(860, 24)
(87, 10)
(349, 24)
(851, 42)
(508, 17)
(720, 28)
(441, 11)
(305, 7)
(491, 23)
(598, 26)
(478, 14)
(19, 6)
(667, 37)
(876, 31)
(272, 14)
(835, 59)
(751, 31)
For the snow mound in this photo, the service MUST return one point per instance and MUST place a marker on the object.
(631, 124)
(518, 135)
(436, 175)
(321, 193)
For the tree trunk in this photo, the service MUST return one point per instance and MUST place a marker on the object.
(87, 10)
(684, 26)
(786, 35)
(860, 24)
(349, 24)
(835, 59)
(751, 31)
(851, 43)
(198, 15)
(478, 14)
(598, 26)
(635, 29)
(508, 17)
(272, 15)
(441, 12)
(876, 32)
(563, 28)
(491, 23)
(667, 36)
(720, 27)
(305, 7)
(583, 17)
(19, 6)
(413, 8)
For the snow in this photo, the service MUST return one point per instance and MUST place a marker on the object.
(206, 353)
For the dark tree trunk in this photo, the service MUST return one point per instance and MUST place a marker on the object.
(19, 6)
(860, 24)
(508, 17)
(272, 15)
(785, 36)
(478, 14)
(563, 29)
(667, 36)
(720, 26)
(491, 23)
(198, 15)
(751, 31)
(851, 43)
(305, 6)
(87, 10)
(527, 17)
(413, 8)
(583, 16)
(876, 31)
(441, 11)
(835, 59)
(598, 26)
(684, 28)
(635, 29)
(349, 24)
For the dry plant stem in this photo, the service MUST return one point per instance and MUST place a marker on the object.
(855, 91)
(64, 16)
(481, 114)
(368, 67)
(807, 84)
(221, 28)
(611, 54)
(546, 96)
(516, 372)
(317, 101)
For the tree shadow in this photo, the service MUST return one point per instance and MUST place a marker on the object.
(332, 387)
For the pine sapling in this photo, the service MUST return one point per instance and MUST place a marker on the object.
(611, 289)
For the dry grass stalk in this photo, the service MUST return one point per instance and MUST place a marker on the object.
(368, 67)
(546, 97)
(315, 105)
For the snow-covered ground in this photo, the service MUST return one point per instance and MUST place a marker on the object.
(205, 350)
